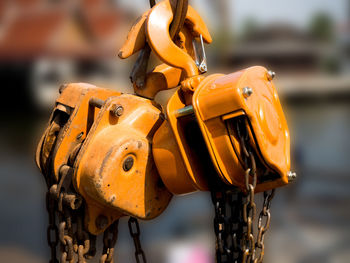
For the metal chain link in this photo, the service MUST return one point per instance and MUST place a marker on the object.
(236, 198)
(134, 230)
(223, 252)
(249, 209)
(110, 236)
(79, 245)
(52, 230)
(235, 239)
(265, 216)
(249, 213)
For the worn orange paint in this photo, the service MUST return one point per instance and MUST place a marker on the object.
(162, 77)
(76, 97)
(174, 158)
(99, 176)
(74, 101)
(136, 38)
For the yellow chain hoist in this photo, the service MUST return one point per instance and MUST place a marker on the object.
(106, 155)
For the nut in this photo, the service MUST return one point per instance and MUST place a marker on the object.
(247, 91)
(117, 110)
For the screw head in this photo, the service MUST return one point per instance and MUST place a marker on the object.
(271, 75)
(117, 110)
(247, 91)
(128, 163)
(291, 176)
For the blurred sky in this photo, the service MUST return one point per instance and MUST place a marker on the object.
(296, 12)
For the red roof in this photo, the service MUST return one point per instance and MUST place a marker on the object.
(30, 32)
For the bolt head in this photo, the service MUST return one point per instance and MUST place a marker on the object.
(247, 91)
(271, 75)
(291, 176)
(117, 110)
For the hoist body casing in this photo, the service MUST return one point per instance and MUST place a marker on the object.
(220, 99)
(217, 101)
(95, 143)
(73, 103)
(179, 165)
(100, 175)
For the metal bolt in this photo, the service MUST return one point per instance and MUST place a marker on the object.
(271, 75)
(117, 110)
(101, 222)
(247, 91)
(291, 176)
(128, 163)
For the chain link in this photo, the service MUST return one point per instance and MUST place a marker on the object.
(134, 230)
(52, 231)
(235, 239)
(78, 245)
(227, 224)
(265, 216)
(249, 213)
(109, 240)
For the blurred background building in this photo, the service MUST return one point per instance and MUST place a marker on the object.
(44, 43)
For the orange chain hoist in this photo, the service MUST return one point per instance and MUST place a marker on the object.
(107, 155)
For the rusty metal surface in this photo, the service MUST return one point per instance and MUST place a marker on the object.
(114, 169)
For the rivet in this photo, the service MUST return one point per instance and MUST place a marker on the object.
(271, 75)
(247, 91)
(291, 176)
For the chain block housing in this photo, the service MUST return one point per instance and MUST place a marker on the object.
(126, 156)
(114, 170)
(105, 139)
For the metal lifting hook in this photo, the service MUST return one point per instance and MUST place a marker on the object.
(159, 39)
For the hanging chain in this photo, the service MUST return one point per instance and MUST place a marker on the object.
(134, 230)
(235, 239)
(52, 230)
(109, 240)
(265, 216)
(227, 224)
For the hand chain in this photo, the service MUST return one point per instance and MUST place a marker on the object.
(134, 230)
(77, 244)
(109, 239)
(249, 246)
(227, 224)
(52, 231)
(235, 241)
